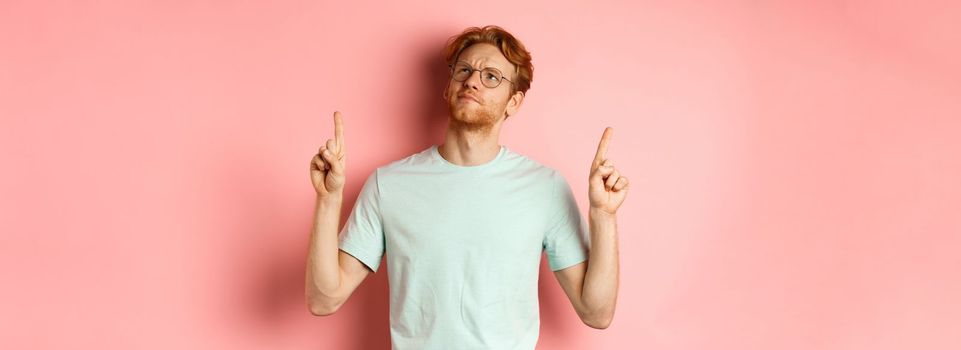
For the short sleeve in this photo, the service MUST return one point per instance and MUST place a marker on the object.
(363, 234)
(566, 241)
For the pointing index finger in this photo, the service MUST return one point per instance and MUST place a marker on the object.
(602, 147)
(339, 131)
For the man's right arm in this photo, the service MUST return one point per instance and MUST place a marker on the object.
(332, 274)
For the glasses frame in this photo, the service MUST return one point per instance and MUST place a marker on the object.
(472, 70)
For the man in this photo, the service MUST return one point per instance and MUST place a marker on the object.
(464, 223)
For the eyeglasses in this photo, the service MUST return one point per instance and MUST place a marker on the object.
(490, 77)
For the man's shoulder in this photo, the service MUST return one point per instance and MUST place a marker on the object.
(528, 165)
(409, 163)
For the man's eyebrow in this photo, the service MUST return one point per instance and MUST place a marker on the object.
(489, 66)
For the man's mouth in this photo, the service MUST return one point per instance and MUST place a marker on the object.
(468, 97)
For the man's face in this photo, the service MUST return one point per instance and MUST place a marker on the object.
(474, 105)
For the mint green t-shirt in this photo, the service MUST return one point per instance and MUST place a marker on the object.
(463, 246)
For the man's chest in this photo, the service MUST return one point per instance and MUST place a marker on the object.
(483, 216)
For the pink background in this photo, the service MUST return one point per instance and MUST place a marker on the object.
(795, 166)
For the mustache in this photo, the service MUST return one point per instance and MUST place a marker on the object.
(471, 96)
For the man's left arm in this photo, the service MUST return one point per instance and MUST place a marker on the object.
(592, 285)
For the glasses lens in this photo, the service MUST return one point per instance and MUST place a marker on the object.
(461, 72)
(491, 77)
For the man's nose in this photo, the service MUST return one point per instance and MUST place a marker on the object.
(470, 82)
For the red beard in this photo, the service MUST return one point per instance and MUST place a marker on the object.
(467, 115)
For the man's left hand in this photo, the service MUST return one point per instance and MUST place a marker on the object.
(608, 187)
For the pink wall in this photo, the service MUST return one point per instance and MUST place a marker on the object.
(795, 165)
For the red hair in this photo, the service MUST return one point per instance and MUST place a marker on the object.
(509, 46)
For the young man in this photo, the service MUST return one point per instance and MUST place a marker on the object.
(464, 223)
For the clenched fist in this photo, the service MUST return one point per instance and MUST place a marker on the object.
(607, 188)
(327, 166)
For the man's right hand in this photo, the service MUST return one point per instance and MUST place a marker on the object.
(327, 166)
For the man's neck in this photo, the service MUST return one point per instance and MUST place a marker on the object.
(470, 147)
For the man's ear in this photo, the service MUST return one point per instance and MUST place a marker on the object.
(514, 104)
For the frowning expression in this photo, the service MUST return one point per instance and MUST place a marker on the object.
(472, 101)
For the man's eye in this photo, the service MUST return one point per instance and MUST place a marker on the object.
(490, 76)
(464, 70)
